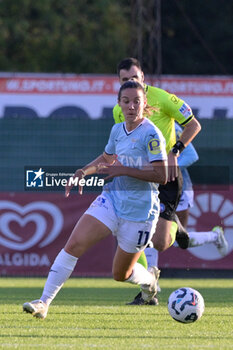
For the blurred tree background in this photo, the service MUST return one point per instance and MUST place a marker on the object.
(91, 36)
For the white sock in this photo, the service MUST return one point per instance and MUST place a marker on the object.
(152, 256)
(199, 238)
(60, 271)
(140, 275)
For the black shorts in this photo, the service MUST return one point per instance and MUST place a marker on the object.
(169, 196)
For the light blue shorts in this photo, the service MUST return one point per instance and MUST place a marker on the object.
(186, 200)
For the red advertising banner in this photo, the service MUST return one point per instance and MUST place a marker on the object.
(109, 84)
(34, 227)
(45, 95)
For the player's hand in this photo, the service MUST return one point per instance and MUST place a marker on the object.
(69, 186)
(172, 167)
(115, 169)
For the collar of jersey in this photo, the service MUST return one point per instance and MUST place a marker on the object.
(130, 132)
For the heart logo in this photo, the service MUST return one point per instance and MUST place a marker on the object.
(24, 215)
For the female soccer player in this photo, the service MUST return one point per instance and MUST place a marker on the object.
(128, 207)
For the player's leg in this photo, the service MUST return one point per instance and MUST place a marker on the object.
(163, 237)
(183, 216)
(152, 259)
(126, 269)
(166, 231)
(215, 236)
(88, 231)
(185, 202)
(182, 236)
(130, 246)
(123, 264)
(143, 260)
(167, 228)
(148, 260)
(151, 255)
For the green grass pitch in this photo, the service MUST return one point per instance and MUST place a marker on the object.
(90, 313)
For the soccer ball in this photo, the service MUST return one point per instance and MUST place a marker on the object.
(186, 305)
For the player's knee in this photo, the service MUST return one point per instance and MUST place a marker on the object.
(160, 246)
(75, 248)
(160, 243)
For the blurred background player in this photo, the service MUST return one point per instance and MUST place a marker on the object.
(128, 207)
(216, 236)
(168, 109)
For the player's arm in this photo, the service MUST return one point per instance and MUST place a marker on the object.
(94, 166)
(183, 114)
(157, 172)
(90, 169)
(188, 156)
(191, 129)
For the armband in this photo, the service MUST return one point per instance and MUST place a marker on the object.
(178, 148)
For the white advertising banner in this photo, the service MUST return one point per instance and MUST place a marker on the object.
(94, 96)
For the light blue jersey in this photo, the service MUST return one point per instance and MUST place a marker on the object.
(134, 199)
(186, 158)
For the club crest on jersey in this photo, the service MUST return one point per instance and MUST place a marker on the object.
(185, 110)
(154, 146)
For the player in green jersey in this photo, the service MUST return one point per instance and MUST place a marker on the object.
(169, 108)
